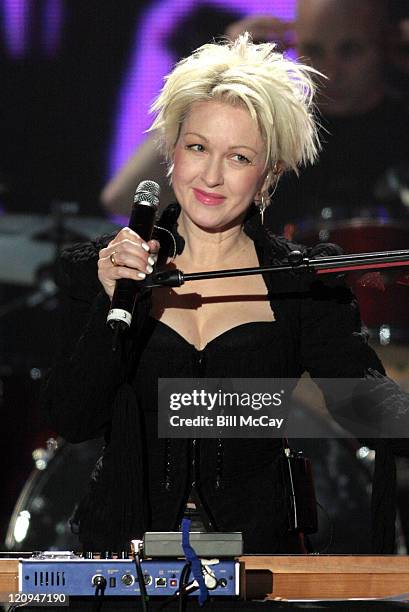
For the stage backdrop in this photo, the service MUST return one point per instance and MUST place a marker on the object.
(77, 81)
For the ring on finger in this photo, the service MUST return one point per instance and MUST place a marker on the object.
(112, 258)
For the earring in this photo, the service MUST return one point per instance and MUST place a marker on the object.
(262, 205)
(265, 199)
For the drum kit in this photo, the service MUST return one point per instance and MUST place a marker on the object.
(29, 245)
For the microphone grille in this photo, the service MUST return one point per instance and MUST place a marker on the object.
(148, 186)
(147, 191)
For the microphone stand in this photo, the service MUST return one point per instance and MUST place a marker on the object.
(297, 262)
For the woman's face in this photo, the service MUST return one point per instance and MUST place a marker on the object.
(218, 165)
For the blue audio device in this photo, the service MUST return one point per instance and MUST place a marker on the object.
(76, 576)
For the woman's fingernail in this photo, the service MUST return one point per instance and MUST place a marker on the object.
(141, 275)
(145, 247)
(149, 269)
(151, 260)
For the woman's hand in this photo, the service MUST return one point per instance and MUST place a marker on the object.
(126, 256)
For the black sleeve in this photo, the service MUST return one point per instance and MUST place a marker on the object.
(334, 346)
(80, 388)
(332, 342)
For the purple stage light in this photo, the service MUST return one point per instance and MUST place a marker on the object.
(17, 21)
(15, 26)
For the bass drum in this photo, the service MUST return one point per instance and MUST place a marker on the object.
(384, 307)
(40, 520)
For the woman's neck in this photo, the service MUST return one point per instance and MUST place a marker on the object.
(203, 248)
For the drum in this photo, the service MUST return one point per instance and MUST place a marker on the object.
(40, 520)
(30, 331)
(28, 242)
(385, 311)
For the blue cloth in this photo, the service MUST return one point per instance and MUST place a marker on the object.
(194, 561)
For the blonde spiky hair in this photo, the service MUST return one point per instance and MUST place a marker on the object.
(277, 92)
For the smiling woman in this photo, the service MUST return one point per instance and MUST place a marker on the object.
(232, 117)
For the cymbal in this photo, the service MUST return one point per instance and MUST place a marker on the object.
(28, 242)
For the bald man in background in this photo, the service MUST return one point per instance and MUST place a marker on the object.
(365, 130)
(345, 40)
